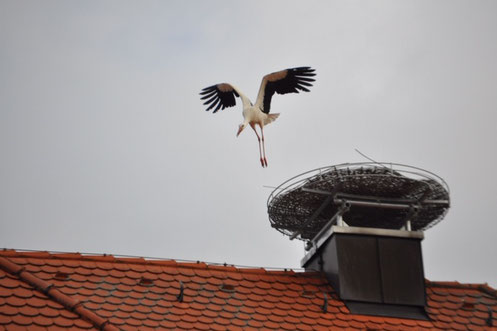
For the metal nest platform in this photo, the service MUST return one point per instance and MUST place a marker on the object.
(368, 194)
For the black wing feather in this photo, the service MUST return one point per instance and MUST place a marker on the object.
(294, 81)
(219, 96)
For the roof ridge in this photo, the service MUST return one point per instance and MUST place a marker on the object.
(488, 290)
(484, 287)
(53, 293)
(146, 261)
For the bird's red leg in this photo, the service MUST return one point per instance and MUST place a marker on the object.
(263, 148)
(259, 139)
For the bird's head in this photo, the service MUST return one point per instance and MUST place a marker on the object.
(240, 128)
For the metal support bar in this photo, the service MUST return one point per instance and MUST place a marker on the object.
(348, 196)
(378, 203)
(413, 212)
(318, 211)
(384, 201)
(311, 190)
(313, 216)
(343, 209)
(421, 201)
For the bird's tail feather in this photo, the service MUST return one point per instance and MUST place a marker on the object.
(270, 118)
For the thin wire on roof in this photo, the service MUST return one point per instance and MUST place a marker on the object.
(154, 258)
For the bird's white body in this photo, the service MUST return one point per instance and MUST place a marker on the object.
(253, 114)
(223, 95)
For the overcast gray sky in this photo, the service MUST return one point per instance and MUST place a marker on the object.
(105, 146)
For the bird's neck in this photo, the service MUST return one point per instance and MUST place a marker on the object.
(246, 101)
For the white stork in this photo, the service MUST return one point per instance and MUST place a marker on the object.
(223, 95)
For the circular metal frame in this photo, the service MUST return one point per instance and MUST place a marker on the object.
(365, 194)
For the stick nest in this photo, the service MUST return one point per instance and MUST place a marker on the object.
(291, 207)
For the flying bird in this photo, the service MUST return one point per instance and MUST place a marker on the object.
(221, 96)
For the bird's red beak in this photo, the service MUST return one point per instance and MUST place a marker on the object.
(240, 129)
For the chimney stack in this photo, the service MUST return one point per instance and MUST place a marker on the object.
(374, 271)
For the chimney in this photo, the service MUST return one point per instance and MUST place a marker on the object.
(374, 271)
(363, 226)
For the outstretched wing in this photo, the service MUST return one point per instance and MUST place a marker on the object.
(282, 82)
(219, 96)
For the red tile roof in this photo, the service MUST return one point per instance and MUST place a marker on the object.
(48, 291)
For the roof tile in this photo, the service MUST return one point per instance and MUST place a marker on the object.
(476, 321)
(217, 327)
(28, 311)
(222, 321)
(167, 324)
(287, 326)
(209, 313)
(201, 326)
(226, 315)
(239, 322)
(206, 319)
(247, 310)
(5, 319)
(200, 299)
(15, 301)
(251, 304)
(42, 321)
(83, 324)
(49, 312)
(328, 321)
(155, 317)
(286, 307)
(83, 272)
(255, 324)
(457, 326)
(63, 322)
(184, 325)
(67, 313)
(134, 322)
(22, 320)
(260, 317)
(121, 314)
(271, 325)
(441, 325)
(308, 321)
(105, 313)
